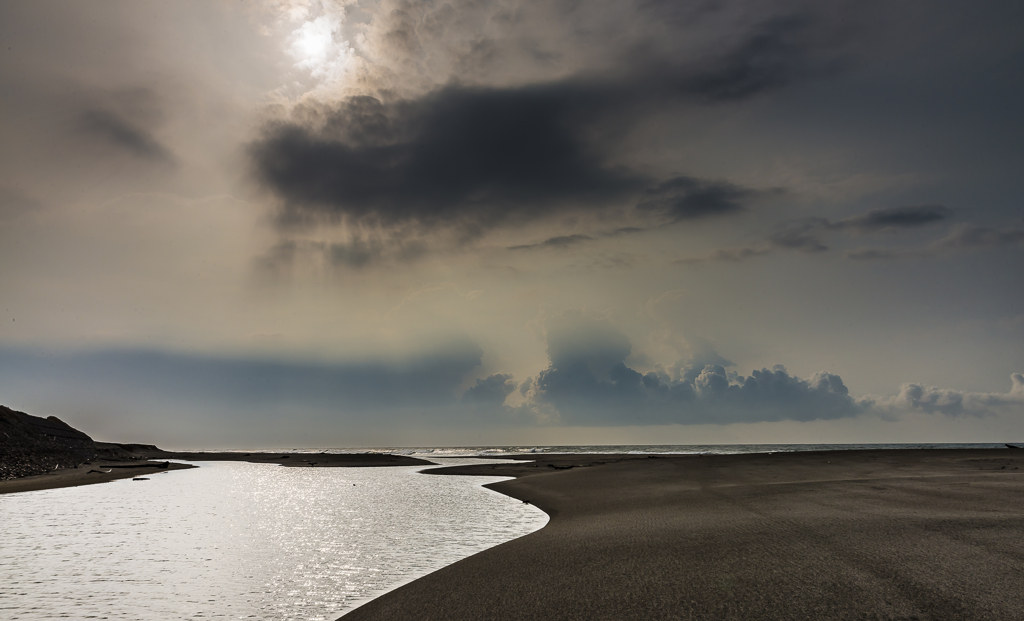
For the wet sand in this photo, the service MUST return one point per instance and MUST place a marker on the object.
(99, 471)
(908, 534)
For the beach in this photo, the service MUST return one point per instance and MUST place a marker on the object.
(886, 534)
(923, 534)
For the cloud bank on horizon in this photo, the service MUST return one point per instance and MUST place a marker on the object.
(498, 216)
(587, 383)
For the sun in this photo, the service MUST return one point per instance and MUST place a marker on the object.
(318, 48)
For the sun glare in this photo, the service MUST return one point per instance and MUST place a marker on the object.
(316, 47)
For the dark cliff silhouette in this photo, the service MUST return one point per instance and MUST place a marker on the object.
(33, 445)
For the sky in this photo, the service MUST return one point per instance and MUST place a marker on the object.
(302, 223)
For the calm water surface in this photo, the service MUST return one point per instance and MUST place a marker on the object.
(235, 540)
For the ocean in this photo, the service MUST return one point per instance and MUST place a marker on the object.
(426, 452)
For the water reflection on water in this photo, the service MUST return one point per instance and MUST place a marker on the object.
(237, 540)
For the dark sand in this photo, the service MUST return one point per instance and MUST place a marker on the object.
(137, 460)
(909, 534)
(99, 471)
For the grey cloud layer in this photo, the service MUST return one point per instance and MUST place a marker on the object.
(686, 198)
(742, 46)
(559, 241)
(962, 238)
(894, 218)
(587, 383)
(808, 236)
(359, 251)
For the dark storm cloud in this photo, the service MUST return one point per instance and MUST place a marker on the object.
(239, 383)
(478, 156)
(472, 157)
(119, 132)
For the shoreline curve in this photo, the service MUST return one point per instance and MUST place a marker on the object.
(873, 534)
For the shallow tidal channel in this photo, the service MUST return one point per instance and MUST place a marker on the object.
(233, 540)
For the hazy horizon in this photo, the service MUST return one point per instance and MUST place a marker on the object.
(393, 223)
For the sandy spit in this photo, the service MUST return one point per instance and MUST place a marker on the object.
(889, 534)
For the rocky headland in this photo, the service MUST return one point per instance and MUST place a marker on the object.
(31, 445)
